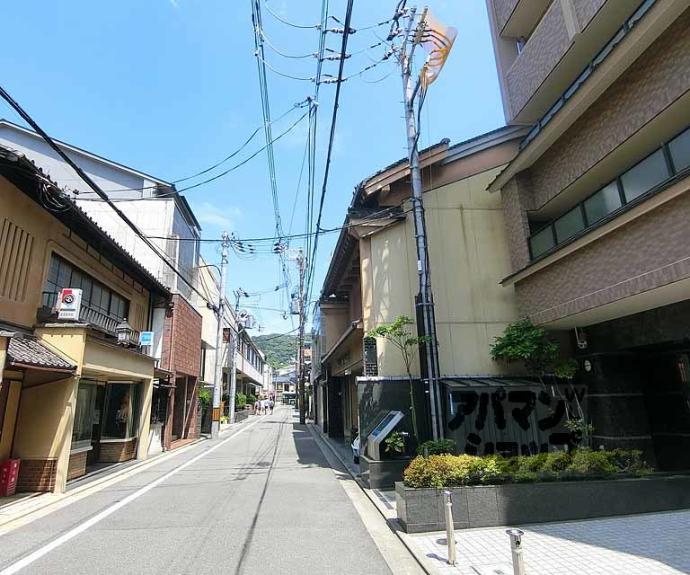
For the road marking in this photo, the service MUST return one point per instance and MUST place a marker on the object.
(72, 533)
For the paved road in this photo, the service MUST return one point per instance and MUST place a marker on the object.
(265, 501)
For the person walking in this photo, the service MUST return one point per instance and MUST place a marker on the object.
(270, 405)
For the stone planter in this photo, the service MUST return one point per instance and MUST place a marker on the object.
(514, 504)
(382, 474)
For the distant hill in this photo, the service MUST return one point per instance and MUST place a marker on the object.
(280, 349)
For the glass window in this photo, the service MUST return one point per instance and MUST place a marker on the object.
(541, 241)
(569, 224)
(84, 415)
(680, 151)
(645, 175)
(602, 203)
(121, 412)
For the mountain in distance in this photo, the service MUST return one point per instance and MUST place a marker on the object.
(280, 349)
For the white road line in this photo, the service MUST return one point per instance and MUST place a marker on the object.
(72, 533)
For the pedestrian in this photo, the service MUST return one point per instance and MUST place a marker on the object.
(270, 405)
(257, 407)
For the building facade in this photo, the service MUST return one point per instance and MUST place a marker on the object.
(595, 202)
(373, 280)
(74, 395)
(161, 213)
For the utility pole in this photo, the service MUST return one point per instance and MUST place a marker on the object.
(218, 382)
(300, 339)
(424, 301)
(233, 338)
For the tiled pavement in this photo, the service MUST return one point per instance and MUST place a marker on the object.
(650, 544)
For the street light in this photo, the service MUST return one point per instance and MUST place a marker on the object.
(124, 332)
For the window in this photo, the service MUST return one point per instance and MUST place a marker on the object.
(680, 151)
(121, 411)
(542, 241)
(602, 203)
(84, 415)
(569, 224)
(62, 274)
(645, 175)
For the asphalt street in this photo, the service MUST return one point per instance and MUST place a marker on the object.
(265, 501)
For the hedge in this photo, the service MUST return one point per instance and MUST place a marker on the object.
(457, 470)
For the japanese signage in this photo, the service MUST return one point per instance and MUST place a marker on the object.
(69, 304)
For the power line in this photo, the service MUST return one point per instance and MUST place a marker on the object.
(343, 49)
(95, 188)
(287, 22)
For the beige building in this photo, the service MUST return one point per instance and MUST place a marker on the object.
(71, 398)
(596, 202)
(372, 280)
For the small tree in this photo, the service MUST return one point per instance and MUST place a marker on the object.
(525, 342)
(407, 344)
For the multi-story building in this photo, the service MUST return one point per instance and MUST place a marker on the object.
(596, 202)
(75, 395)
(373, 280)
(164, 215)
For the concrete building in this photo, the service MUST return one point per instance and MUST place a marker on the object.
(596, 202)
(158, 211)
(73, 395)
(372, 280)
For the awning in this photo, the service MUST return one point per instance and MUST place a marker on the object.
(486, 382)
(25, 351)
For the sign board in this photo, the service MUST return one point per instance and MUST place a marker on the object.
(146, 338)
(69, 304)
(381, 431)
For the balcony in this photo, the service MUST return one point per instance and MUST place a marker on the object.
(564, 42)
(88, 315)
(517, 18)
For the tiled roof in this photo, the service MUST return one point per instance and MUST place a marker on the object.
(29, 351)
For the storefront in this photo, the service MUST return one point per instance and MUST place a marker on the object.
(106, 424)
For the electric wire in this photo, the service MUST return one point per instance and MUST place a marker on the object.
(17, 107)
(287, 22)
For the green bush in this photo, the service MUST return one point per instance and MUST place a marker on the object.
(437, 447)
(240, 401)
(251, 399)
(205, 396)
(446, 470)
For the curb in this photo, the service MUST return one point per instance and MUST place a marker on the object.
(393, 525)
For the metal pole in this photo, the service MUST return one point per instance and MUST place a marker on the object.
(516, 550)
(428, 328)
(218, 381)
(450, 529)
(300, 367)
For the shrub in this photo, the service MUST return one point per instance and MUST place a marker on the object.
(240, 401)
(437, 447)
(457, 470)
(251, 399)
(592, 463)
(205, 396)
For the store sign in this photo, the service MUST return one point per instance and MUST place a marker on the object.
(69, 304)
(146, 338)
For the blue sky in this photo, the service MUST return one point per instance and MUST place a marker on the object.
(170, 87)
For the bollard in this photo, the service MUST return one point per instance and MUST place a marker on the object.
(516, 550)
(450, 530)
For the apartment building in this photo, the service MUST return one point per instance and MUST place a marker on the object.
(75, 395)
(596, 202)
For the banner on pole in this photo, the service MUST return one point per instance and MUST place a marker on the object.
(437, 40)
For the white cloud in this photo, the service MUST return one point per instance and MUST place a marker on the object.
(212, 215)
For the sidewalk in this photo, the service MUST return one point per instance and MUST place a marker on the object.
(647, 544)
(23, 507)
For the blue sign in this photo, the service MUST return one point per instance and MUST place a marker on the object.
(146, 338)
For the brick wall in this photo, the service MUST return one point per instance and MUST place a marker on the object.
(37, 475)
(647, 253)
(657, 78)
(182, 338)
(77, 465)
(114, 452)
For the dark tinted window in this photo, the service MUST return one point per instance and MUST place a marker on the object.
(602, 203)
(645, 175)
